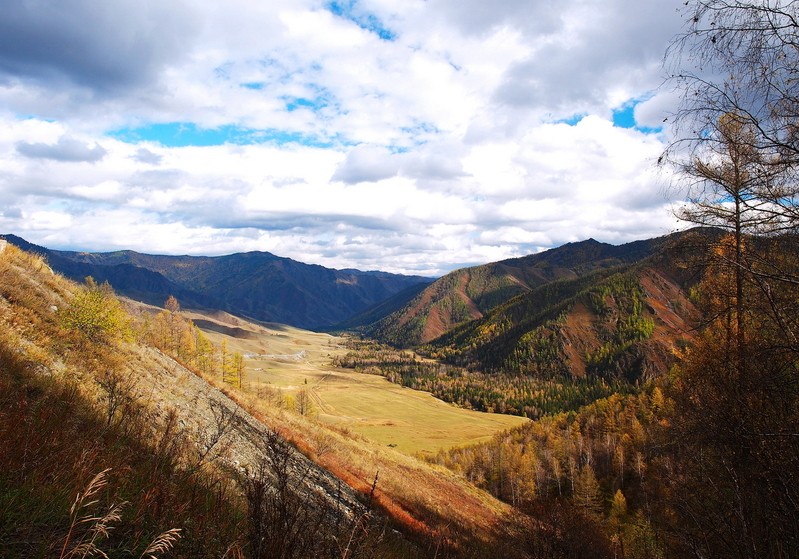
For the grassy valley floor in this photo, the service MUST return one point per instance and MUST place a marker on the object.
(289, 360)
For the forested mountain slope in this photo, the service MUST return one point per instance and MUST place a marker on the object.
(468, 294)
(622, 324)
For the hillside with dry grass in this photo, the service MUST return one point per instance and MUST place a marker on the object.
(198, 462)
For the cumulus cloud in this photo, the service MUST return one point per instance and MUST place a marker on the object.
(381, 134)
(374, 163)
(66, 149)
(604, 53)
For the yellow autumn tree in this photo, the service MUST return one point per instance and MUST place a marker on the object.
(97, 314)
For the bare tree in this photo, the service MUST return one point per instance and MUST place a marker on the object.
(287, 521)
(741, 58)
(736, 146)
(119, 387)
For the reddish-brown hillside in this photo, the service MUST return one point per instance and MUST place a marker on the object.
(673, 317)
(468, 294)
(569, 342)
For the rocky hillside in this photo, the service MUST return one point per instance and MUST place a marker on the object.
(122, 398)
(258, 285)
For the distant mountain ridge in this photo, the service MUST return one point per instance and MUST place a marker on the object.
(469, 293)
(258, 285)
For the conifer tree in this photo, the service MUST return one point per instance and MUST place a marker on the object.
(587, 494)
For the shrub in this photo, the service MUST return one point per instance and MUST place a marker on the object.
(97, 314)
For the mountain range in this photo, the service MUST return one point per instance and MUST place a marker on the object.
(468, 293)
(257, 285)
(585, 308)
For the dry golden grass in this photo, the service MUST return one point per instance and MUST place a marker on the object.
(425, 499)
(283, 361)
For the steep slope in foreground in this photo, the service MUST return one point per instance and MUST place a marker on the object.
(123, 406)
(469, 293)
(74, 403)
(254, 284)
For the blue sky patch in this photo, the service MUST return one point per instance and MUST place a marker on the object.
(624, 117)
(294, 103)
(183, 134)
(573, 120)
(314, 104)
(347, 9)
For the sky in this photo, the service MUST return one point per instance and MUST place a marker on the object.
(409, 136)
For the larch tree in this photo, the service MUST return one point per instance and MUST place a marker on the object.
(96, 313)
(587, 494)
(732, 461)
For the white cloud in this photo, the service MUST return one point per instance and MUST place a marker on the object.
(437, 148)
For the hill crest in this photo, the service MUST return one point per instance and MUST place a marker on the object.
(469, 293)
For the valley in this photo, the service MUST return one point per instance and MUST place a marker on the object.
(605, 350)
(289, 360)
(97, 391)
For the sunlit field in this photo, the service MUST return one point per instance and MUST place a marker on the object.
(291, 360)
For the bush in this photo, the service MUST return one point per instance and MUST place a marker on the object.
(97, 314)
